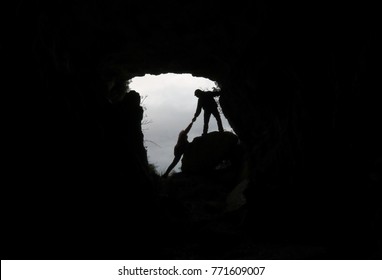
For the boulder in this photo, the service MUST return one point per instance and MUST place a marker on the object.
(206, 153)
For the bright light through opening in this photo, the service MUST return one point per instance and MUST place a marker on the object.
(170, 106)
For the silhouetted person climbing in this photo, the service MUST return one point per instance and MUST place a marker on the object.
(179, 148)
(207, 102)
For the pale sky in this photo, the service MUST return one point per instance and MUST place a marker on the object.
(170, 106)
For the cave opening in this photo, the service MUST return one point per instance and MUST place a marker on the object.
(169, 105)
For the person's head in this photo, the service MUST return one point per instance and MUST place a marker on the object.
(182, 138)
(198, 93)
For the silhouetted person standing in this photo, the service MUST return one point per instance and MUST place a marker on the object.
(207, 102)
(179, 148)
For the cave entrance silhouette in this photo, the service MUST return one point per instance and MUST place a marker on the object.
(169, 106)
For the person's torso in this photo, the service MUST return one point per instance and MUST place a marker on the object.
(208, 102)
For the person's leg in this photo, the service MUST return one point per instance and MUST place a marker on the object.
(218, 120)
(172, 165)
(207, 116)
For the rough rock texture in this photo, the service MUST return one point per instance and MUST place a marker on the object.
(206, 153)
(299, 87)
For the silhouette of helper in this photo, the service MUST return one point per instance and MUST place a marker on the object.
(207, 102)
(179, 148)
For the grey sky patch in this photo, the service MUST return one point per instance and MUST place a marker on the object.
(170, 106)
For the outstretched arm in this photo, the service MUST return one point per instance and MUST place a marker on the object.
(187, 130)
(198, 110)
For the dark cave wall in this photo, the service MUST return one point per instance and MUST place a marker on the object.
(298, 100)
(75, 165)
(299, 89)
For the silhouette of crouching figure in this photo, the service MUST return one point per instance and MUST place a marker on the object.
(179, 148)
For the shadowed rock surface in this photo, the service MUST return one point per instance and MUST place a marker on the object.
(299, 87)
(208, 152)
